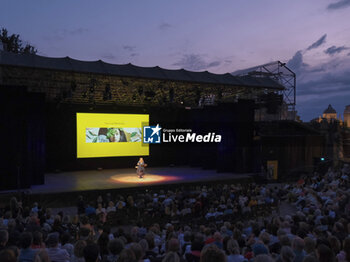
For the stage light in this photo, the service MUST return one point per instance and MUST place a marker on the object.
(322, 159)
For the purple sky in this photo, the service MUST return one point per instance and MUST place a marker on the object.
(313, 36)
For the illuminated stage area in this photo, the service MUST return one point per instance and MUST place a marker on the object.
(144, 180)
(127, 178)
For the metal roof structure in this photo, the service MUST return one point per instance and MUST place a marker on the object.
(278, 72)
(129, 70)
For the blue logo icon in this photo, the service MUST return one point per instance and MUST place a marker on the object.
(151, 134)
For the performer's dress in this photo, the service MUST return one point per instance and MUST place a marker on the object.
(140, 169)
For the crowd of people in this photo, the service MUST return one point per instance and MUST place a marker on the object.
(207, 223)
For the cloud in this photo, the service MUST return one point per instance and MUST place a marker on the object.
(129, 48)
(335, 50)
(296, 63)
(76, 31)
(61, 34)
(322, 84)
(165, 26)
(134, 54)
(108, 56)
(195, 62)
(339, 5)
(318, 43)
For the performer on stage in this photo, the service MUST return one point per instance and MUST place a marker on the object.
(140, 167)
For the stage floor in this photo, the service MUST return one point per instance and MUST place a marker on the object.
(127, 178)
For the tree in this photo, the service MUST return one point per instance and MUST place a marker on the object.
(13, 43)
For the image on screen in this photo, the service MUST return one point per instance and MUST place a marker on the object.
(110, 135)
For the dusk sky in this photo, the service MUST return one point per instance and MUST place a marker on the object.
(312, 36)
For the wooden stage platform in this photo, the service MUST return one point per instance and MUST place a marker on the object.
(126, 178)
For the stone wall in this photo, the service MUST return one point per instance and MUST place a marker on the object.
(86, 88)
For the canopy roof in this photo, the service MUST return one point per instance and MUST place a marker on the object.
(129, 70)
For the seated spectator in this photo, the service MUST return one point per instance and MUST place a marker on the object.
(115, 248)
(233, 252)
(298, 245)
(138, 251)
(78, 254)
(218, 240)
(42, 256)
(171, 257)
(212, 253)
(65, 242)
(259, 249)
(310, 246)
(38, 240)
(4, 237)
(27, 254)
(325, 254)
(287, 255)
(55, 253)
(344, 255)
(7, 255)
(127, 256)
(91, 253)
(263, 258)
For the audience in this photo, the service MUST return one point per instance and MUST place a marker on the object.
(224, 222)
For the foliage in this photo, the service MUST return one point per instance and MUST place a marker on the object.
(13, 43)
(111, 132)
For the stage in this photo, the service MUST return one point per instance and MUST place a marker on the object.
(107, 179)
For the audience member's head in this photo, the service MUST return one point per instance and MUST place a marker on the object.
(171, 257)
(310, 245)
(263, 258)
(287, 254)
(259, 249)
(37, 238)
(4, 237)
(91, 253)
(42, 256)
(232, 247)
(115, 246)
(7, 255)
(346, 248)
(138, 251)
(79, 248)
(127, 256)
(298, 244)
(212, 254)
(324, 253)
(52, 240)
(173, 245)
(310, 258)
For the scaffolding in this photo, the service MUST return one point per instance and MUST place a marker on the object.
(279, 72)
